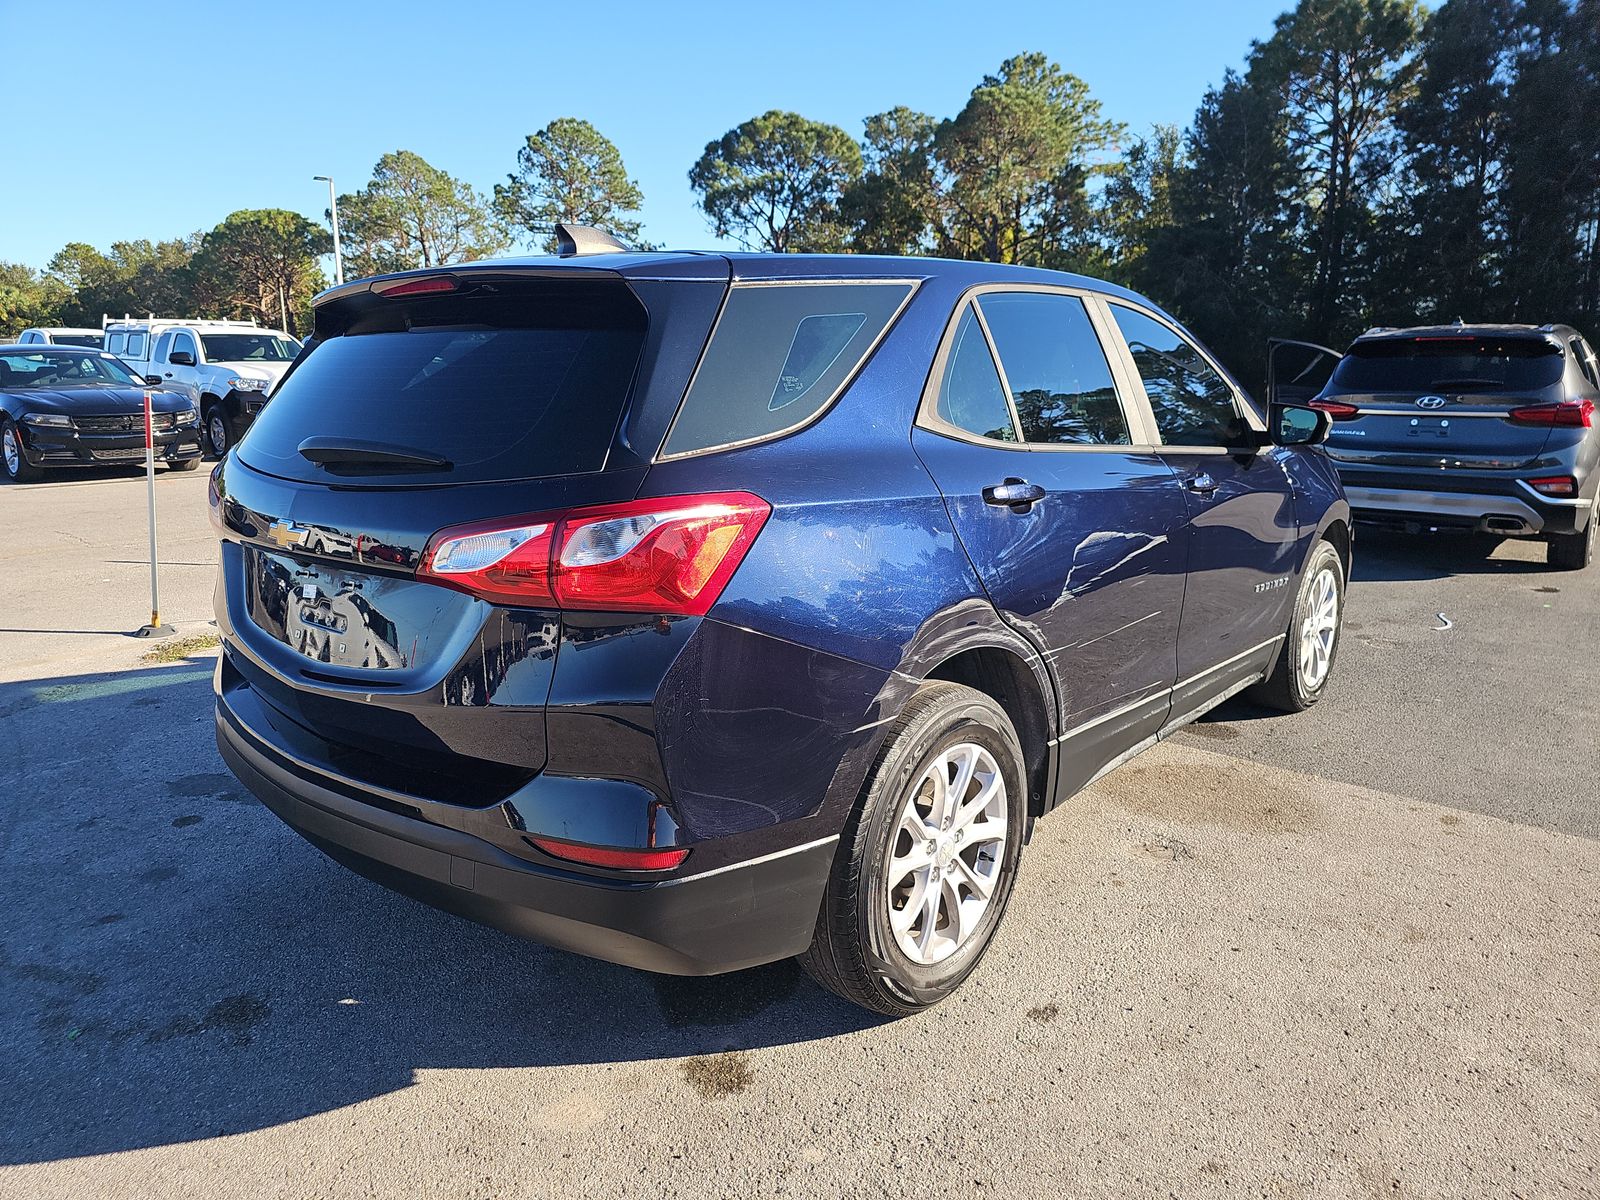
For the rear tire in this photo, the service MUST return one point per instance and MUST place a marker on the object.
(905, 918)
(1305, 664)
(1573, 551)
(18, 469)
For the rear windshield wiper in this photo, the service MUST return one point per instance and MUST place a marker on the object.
(343, 454)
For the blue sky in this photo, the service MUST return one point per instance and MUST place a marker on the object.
(171, 115)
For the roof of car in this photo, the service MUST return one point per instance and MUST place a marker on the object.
(47, 348)
(1461, 330)
(691, 264)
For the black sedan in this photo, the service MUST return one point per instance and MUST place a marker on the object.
(61, 406)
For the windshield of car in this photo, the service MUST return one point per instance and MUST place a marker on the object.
(63, 369)
(249, 347)
(93, 341)
(1449, 363)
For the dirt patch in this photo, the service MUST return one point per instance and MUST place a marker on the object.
(179, 649)
(1449, 819)
(1228, 793)
(1214, 730)
(1168, 848)
(236, 1017)
(718, 1075)
(185, 821)
(1045, 1013)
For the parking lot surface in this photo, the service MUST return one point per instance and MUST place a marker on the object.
(1350, 953)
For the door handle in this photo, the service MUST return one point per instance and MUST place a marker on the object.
(1201, 483)
(1016, 494)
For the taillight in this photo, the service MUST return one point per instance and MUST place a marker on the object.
(616, 857)
(1555, 485)
(670, 555)
(1570, 414)
(1337, 409)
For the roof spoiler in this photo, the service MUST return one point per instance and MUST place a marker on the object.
(574, 241)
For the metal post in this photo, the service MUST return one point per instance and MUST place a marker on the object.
(155, 628)
(333, 215)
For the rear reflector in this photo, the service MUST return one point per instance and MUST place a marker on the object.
(1337, 409)
(1555, 485)
(1569, 414)
(672, 555)
(414, 287)
(614, 857)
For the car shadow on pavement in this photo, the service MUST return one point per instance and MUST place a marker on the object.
(178, 965)
(1382, 556)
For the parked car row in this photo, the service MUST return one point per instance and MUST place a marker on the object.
(71, 397)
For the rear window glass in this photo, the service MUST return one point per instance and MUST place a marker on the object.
(510, 388)
(1449, 364)
(779, 355)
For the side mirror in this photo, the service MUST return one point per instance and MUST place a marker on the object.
(154, 380)
(1297, 425)
(181, 358)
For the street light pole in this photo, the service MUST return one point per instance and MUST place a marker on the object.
(333, 212)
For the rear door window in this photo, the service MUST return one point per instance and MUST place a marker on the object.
(971, 397)
(1449, 363)
(779, 355)
(1060, 382)
(500, 386)
(1192, 403)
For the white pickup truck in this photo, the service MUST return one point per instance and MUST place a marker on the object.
(228, 366)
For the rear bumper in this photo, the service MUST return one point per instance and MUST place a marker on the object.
(740, 915)
(1516, 511)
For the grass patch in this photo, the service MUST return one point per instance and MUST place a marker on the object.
(179, 649)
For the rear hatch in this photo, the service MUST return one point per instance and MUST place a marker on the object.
(473, 396)
(1442, 401)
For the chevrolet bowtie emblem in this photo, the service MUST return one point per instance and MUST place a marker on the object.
(287, 533)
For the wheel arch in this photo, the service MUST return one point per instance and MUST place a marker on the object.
(1000, 673)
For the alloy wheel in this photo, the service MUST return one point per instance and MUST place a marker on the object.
(13, 452)
(1319, 628)
(217, 433)
(948, 848)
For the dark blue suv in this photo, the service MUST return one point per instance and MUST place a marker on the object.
(695, 611)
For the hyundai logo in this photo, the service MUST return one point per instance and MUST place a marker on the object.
(1431, 402)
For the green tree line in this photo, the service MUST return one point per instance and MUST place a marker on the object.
(1373, 162)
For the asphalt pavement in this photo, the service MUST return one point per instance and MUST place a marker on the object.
(1354, 952)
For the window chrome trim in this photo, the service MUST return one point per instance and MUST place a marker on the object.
(910, 283)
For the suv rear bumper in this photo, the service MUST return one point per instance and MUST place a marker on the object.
(1512, 512)
(737, 916)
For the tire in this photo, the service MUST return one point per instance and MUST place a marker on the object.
(860, 949)
(221, 430)
(186, 464)
(1298, 681)
(1573, 551)
(17, 468)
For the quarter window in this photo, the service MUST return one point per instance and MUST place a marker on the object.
(117, 343)
(1056, 369)
(1192, 403)
(163, 344)
(971, 397)
(136, 345)
(778, 357)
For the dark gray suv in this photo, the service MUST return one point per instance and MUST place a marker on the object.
(1487, 428)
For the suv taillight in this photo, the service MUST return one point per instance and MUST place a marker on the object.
(672, 555)
(1572, 414)
(1337, 409)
